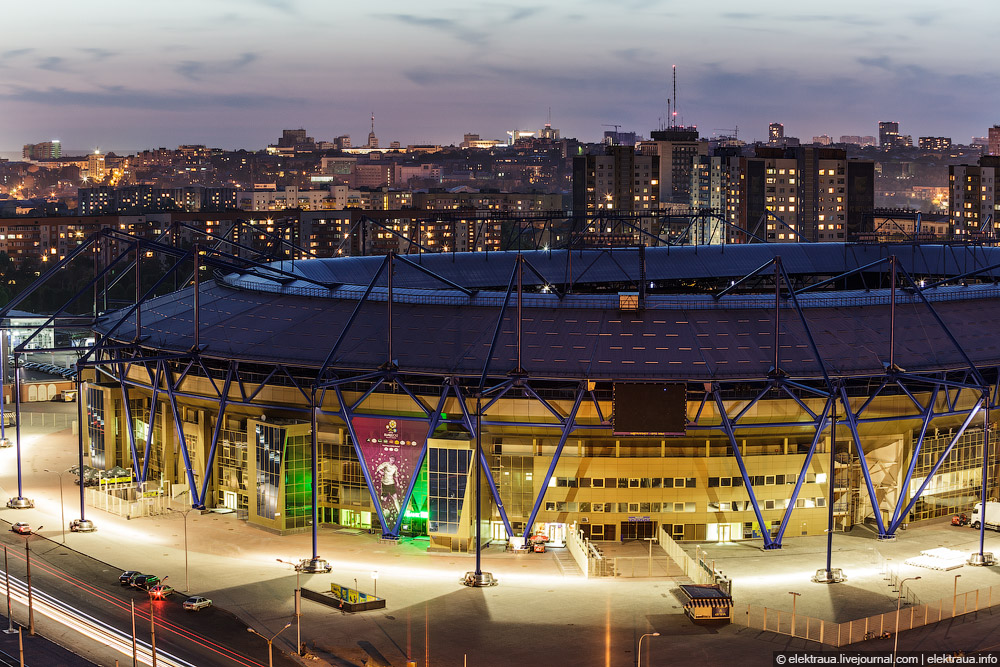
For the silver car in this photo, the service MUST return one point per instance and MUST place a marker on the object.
(196, 603)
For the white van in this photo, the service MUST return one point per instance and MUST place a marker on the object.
(992, 519)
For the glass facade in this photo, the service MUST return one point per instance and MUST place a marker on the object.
(231, 459)
(269, 449)
(95, 426)
(447, 475)
(298, 481)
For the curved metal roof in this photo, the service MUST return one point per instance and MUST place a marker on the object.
(438, 330)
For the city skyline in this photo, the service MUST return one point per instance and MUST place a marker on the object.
(233, 74)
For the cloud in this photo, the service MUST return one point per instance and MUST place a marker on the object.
(15, 53)
(889, 65)
(53, 64)
(632, 55)
(98, 53)
(523, 13)
(447, 26)
(196, 70)
(120, 97)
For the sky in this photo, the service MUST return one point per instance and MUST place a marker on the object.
(131, 75)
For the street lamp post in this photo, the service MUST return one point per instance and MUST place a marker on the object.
(6, 573)
(62, 505)
(184, 513)
(638, 652)
(27, 564)
(954, 596)
(795, 596)
(899, 598)
(298, 605)
(270, 660)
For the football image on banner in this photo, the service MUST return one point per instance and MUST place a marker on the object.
(390, 449)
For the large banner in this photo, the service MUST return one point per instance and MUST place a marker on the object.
(390, 449)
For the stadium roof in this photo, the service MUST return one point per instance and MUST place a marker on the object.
(439, 330)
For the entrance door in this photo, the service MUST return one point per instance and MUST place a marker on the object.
(725, 532)
(229, 499)
(638, 530)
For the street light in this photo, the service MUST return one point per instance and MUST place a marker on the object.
(954, 596)
(638, 653)
(899, 597)
(795, 596)
(184, 513)
(270, 660)
(6, 573)
(62, 506)
(27, 564)
(298, 605)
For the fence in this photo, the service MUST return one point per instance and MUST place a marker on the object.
(642, 566)
(841, 634)
(588, 556)
(126, 500)
(698, 571)
(41, 419)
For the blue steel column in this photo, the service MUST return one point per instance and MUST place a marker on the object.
(130, 424)
(17, 420)
(223, 403)
(474, 429)
(315, 477)
(80, 402)
(727, 426)
(431, 426)
(944, 455)
(567, 427)
(171, 395)
(346, 414)
(830, 483)
(154, 402)
(928, 414)
(986, 450)
(820, 427)
(853, 425)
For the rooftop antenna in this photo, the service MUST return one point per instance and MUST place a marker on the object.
(549, 122)
(373, 122)
(673, 119)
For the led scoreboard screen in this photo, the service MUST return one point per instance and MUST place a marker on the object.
(649, 408)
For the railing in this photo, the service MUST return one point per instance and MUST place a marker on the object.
(697, 571)
(842, 634)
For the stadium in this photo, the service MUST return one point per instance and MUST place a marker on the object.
(722, 393)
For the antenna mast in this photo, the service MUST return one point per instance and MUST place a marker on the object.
(673, 119)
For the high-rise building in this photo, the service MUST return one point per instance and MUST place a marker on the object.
(775, 133)
(935, 143)
(787, 195)
(677, 147)
(889, 136)
(47, 150)
(823, 140)
(866, 140)
(974, 197)
(993, 140)
(619, 180)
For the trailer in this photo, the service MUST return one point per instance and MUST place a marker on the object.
(707, 602)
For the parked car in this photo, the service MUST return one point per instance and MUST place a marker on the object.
(160, 591)
(21, 528)
(125, 577)
(196, 603)
(143, 581)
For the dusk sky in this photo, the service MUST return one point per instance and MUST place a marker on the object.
(234, 73)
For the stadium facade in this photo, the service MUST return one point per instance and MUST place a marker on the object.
(749, 392)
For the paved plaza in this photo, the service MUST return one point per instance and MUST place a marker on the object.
(542, 611)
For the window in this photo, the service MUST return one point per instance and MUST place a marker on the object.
(678, 507)
(598, 482)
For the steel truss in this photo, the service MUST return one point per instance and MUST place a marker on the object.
(164, 375)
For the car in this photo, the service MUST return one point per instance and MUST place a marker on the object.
(139, 580)
(147, 583)
(125, 577)
(196, 603)
(21, 528)
(160, 591)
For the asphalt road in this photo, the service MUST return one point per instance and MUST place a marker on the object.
(206, 638)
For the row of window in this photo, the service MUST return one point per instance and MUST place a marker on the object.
(632, 508)
(625, 482)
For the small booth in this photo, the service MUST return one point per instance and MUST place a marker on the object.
(707, 602)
